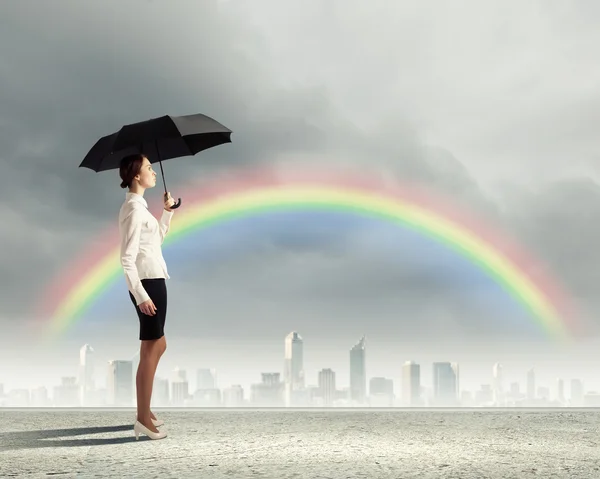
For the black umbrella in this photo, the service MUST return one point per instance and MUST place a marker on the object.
(158, 139)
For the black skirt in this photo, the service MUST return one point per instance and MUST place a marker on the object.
(153, 327)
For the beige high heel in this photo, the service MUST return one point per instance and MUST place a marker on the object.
(139, 428)
(157, 422)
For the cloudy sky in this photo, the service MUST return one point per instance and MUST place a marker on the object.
(494, 104)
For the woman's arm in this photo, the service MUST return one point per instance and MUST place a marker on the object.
(165, 219)
(130, 230)
(164, 224)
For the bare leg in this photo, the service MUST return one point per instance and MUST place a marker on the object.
(158, 350)
(144, 381)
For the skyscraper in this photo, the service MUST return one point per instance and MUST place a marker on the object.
(381, 392)
(411, 383)
(498, 385)
(576, 392)
(179, 387)
(358, 373)
(293, 370)
(327, 386)
(67, 393)
(160, 392)
(206, 392)
(531, 385)
(206, 378)
(560, 391)
(456, 371)
(269, 392)
(515, 392)
(120, 383)
(86, 375)
(233, 396)
(445, 383)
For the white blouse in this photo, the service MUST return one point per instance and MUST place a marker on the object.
(141, 238)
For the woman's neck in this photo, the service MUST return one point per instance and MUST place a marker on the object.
(138, 190)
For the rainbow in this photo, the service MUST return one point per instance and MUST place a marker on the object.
(77, 289)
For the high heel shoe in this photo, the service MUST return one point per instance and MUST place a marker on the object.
(157, 422)
(139, 428)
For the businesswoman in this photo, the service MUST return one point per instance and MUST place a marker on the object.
(145, 273)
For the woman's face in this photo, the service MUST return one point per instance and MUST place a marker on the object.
(147, 177)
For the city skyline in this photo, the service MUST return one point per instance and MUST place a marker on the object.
(407, 216)
(292, 389)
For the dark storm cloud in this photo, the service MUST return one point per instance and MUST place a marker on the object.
(72, 73)
(560, 223)
(78, 76)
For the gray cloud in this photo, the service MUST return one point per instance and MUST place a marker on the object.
(558, 222)
(458, 100)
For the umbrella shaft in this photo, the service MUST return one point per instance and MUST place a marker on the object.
(163, 175)
(160, 163)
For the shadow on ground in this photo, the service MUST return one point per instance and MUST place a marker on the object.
(46, 437)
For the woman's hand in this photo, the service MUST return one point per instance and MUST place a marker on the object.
(147, 307)
(168, 201)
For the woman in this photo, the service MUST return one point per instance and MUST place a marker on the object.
(145, 273)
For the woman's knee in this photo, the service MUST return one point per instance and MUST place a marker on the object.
(149, 348)
(153, 348)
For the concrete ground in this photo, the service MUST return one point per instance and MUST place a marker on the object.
(303, 444)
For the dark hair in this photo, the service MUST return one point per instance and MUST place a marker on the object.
(130, 167)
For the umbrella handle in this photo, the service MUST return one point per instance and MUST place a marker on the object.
(176, 205)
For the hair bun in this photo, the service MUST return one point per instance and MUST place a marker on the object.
(129, 167)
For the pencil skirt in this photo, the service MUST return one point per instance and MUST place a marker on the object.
(153, 327)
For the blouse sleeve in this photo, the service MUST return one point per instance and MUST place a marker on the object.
(130, 230)
(165, 223)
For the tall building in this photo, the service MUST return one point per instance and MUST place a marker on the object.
(160, 393)
(380, 385)
(560, 391)
(206, 393)
(67, 393)
(381, 392)
(293, 369)
(411, 383)
(358, 373)
(455, 370)
(445, 384)
(179, 387)
(206, 378)
(531, 385)
(233, 396)
(515, 392)
(268, 393)
(498, 385)
(270, 379)
(327, 386)
(576, 392)
(86, 375)
(485, 395)
(120, 383)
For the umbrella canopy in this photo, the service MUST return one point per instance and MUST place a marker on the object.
(159, 139)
